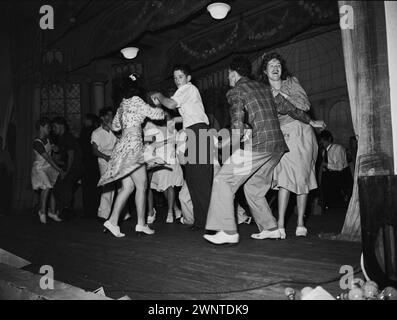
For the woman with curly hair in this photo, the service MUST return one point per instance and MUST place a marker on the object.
(296, 169)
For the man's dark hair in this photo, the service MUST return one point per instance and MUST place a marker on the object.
(265, 60)
(61, 121)
(326, 135)
(242, 65)
(104, 111)
(184, 68)
(42, 122)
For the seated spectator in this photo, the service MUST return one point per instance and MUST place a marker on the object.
(70, 153)
(336, 177)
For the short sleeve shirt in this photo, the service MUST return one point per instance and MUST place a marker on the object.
(105, 140)
(190, 105)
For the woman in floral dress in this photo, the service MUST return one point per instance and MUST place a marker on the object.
(127, 162)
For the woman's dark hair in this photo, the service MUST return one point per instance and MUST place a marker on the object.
(242, 65)
(265, 60)
(130, 88)
(61, 121)
(104, 111)
(42, 122)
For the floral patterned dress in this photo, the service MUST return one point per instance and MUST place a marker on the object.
(127, 155)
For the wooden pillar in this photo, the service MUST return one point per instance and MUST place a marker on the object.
(366, 62)
(391, 34)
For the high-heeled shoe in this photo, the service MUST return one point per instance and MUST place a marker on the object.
(54, 216)
(42, 217)
(140, 230)
(115, 230)
(152, 218)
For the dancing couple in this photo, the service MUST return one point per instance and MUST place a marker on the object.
(267, 161)
(127, 162)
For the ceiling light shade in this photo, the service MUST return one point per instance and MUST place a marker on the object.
(218, 10)
(130, 52)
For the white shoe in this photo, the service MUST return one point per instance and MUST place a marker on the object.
(178, 213)
(282, 233)
(143, 229)
(301, 232)
(115, 230)
(54, 217)
(170, 217)
(151, 219)
(266, 234)
(222, 238)
(42, 217)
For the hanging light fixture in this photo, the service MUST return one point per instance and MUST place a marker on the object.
(130, 52)
(218, 10)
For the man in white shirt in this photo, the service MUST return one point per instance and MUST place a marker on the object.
(336, 181)
(199, 175)
(103, 141)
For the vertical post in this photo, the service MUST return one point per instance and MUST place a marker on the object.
(391, 33)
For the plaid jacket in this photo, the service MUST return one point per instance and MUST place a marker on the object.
(252, 102)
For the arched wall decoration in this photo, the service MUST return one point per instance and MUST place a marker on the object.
(129, 21)
(317, 61)
(252, 32)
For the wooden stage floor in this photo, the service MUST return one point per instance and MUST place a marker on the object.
(177, 263)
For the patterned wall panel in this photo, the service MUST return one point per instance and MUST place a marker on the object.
(63, 100)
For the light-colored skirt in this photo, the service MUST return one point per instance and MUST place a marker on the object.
(296, 170)
(43, 176)
(127, 156)
(163, 179)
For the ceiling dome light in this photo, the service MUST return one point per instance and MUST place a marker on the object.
(130, 52)
(218, 10)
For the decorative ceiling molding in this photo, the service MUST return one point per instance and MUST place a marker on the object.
(125, 23)
(257, 31)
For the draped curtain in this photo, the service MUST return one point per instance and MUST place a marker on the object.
(366, 75)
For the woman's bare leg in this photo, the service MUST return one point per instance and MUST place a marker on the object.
(170, 194)
(127, 186)
(140, 180)
(301, 200)
(283, 198)
(43, 200)
(52, 202)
